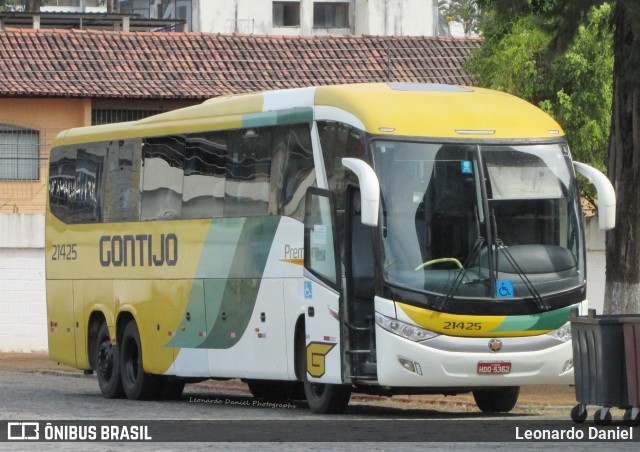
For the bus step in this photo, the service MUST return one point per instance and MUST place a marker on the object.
(358, 328)
(366, 370)
(354, 352)
(364, 380)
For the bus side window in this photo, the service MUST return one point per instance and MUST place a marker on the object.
(87, 204)
(62, 182)
(338, 141)
(122, 181)
(248, 173)
(204, 175)
(162, 178)
(292, 170)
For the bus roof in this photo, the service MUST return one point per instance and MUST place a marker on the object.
(401, 109)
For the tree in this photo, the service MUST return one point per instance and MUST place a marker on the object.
(21, 5)
(465, 12)
(562, 19)
(113, 6)
(575, 87)
(622, 290)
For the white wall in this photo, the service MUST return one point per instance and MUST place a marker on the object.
(368, 17)
(23, 308)
(596, 263)
(394, 17)
(236, 16)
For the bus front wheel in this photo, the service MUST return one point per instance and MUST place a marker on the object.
(107, 361)
(322, 398)
(497, 400)
(137, 383)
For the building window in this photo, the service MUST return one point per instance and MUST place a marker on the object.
(286, 14)
(331, 15)
(19, 153)
(101, 116)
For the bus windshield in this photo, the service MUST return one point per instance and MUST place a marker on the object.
(469, 220)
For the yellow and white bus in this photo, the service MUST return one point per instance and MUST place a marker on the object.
(380, 238)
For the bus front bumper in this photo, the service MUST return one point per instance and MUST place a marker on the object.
(448, 361)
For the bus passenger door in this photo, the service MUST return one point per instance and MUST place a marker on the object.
(322, 285)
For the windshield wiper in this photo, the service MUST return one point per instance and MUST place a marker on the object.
(500, 247)
(441, 303)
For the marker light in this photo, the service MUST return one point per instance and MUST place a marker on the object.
(402, 329)
(563, 333)
(411, 366)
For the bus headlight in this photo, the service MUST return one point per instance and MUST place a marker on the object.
(402, 329)
(563, 333)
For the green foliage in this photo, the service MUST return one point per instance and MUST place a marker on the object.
(21, 5)
(575, 87)
(465, 12)
(583, 88)
(512, 62)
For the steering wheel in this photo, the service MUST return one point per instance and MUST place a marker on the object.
(438, 261)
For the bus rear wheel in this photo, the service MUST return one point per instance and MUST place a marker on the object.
(497, 400)
(137, 383)
(322, 398)
(107, 360)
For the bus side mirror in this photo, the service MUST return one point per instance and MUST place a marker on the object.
(606, 195)
(369, 189)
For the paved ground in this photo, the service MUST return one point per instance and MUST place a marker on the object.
(533, 399)
(214, 415)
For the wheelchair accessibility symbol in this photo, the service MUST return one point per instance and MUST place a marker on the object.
(308, 291)
(504, 288)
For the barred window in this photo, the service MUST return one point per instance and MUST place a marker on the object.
(19, 153)
(101, 116)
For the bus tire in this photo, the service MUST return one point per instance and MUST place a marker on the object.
(137, 384)
(497, 400)
(107, 359)
(322, 398)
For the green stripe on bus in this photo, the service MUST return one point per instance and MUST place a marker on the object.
(241, 289)
(537, 322)
(228, 291)
(274, 118)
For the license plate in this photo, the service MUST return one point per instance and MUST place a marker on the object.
(494, 367)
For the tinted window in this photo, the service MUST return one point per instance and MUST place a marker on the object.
(62, 182)
(162, 177)
(87, 205)
(204, 175)
(122, 182)
(339, 141)
(292, 168)
(248, 172)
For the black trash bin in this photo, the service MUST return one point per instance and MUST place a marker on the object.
(600, 365)
(631, 331)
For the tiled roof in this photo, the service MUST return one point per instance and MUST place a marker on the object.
(105, 64)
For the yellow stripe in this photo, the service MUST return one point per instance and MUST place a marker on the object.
(293, 261)
(452, 324)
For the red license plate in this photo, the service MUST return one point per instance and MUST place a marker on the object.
(494, 367)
